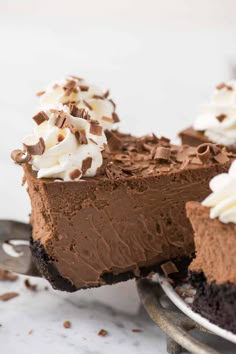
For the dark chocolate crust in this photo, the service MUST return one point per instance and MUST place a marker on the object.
(46, 267)
(215, 302)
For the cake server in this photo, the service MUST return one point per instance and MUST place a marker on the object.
(15, 255)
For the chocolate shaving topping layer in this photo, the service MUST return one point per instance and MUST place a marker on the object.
(19, 156)
(36, 149)
(86, 164)
(113, 141)
(98, 97)
(95, 128)
(40, 117)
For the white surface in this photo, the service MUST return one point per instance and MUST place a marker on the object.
(185, 308)
(159, 64)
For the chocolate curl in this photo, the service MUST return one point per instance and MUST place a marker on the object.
(35, 149)
(20, 157)
(162, 153)
(204, 152)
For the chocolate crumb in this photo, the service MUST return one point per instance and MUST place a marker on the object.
(8, 296)
(221, 158)
(5, 275)
(28, 285)
(75, 174)
(102, 333)
(204, 152)
(169, 268)
(86, 164)
(113, 103)
(36, 149)
(40, 117)
(19, 156)
(60, 138)
(93, 141)
(67, 324)
(221, 117)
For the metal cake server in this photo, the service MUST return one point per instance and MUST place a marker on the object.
(15, 254)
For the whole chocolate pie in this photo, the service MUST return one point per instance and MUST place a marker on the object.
(107, 206)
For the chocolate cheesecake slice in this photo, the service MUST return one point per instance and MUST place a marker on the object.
(216, 121)
(123, 222)
(213, 271)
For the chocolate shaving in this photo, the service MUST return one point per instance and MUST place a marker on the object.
(78, 112)
(113, 141)
(169, 268)
(67, 324)
(95, 128)
(70, 86)
(40, 93)
(107, 119)
(221, 117)
(196, 161)
(164, 141)
(8, 296)
(204, 152)
(75, 174)
(93, 141)
(224, 85)
(113, 103)
(40, 117)
(36, 149)
(19, 156)
(81, 137)
(221, 157)
(98, 97)
(115, 117)
(102, 333)
(5, 275)
(84, 88)
(136, 330)
(88, 105)
(86, 164)
(106, 94)
(28, 285)
(162, 153)
(60, 138)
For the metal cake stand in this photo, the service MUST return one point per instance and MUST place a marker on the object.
(15, 256)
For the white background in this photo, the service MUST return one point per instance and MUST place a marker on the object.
(160, 60)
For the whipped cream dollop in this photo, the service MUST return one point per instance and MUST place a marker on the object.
(90, 97)
(222, 200)
(65, 146)
(218, 117)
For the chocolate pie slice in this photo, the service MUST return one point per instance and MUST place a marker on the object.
(107, 206)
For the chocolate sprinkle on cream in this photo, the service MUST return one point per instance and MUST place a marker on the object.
(19, 156)
(221, 117)
(115, 117)
(40, 93)
(223, 85)
(107, 119)
(86, 164)
(88, 105)
(83, 88)
(36, 149)
(40, 117)
(81, 137)
(75, 174)
(106, 94)
(95, 128)
(5, 275)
